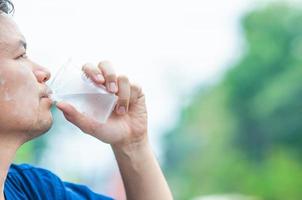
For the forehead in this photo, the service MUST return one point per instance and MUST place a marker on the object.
(9, 32)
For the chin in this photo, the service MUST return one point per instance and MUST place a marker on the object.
(45, 124)
(41, 126)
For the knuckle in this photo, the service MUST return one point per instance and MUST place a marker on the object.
(89, 69)
(110, 77)
(86, 66)
(123, 79)
(137, 89)
(123, 101)
(105, 64)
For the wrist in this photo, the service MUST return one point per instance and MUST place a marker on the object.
(131, 145)
(136, 154)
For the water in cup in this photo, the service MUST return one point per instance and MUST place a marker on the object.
(72, 86)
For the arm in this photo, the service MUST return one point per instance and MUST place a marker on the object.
(126, 132)
(141, 173)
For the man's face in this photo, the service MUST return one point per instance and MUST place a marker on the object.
(23, 106)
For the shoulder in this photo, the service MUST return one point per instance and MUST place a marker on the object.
(39, 183)
(26, 168)
(34, 181)
(30, 173)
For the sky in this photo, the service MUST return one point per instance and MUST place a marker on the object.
(169, 47)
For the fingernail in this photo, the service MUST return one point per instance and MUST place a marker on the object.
(122, 109)
(112, 87)
(99, 77)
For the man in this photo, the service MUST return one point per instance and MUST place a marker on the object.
(25, 115)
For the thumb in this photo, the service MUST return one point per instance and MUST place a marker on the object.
(66, 108)
(70, 112)
(75, 117)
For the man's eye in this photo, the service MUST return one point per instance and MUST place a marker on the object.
(24, 55)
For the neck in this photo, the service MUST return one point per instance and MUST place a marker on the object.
(8, 148)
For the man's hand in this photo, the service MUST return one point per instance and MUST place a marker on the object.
(127, 124)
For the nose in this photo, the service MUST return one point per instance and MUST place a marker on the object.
(42, 74)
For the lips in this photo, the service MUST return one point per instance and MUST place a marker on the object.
(45, 93)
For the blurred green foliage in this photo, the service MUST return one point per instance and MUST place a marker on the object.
(244, 135)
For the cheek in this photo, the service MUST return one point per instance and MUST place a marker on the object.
(18, 96)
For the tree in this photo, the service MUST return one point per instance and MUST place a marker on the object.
(244, 135)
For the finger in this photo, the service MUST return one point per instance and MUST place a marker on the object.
(123, 95)
(110, 76)
(93, 73)
(75, 117)
(136, 93)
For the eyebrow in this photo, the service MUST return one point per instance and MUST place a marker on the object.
(13, 47)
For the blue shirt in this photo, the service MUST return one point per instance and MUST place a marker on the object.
(28, 182)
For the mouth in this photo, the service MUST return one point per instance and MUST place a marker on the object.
(46, 93)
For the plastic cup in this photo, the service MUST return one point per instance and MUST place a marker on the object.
(72, 86)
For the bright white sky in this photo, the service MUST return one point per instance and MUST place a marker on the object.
(168, 46)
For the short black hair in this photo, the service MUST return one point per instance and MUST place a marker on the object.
(6, 6)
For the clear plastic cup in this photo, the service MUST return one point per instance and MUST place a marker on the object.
(72, 86)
